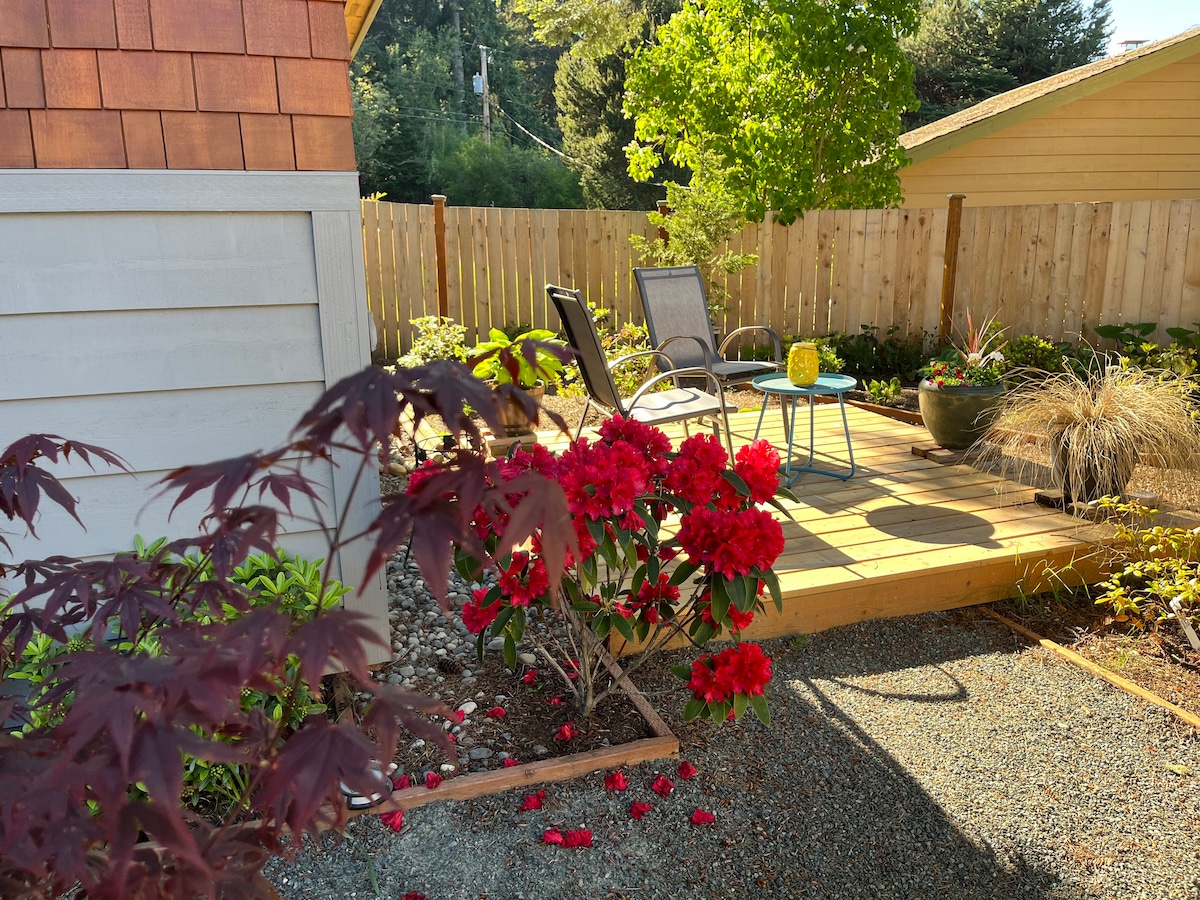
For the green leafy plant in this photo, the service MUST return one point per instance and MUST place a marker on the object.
(867, 356)
(1152, 565)
(528, 360)
(1030, 356)
(885, 393)
(1182, 356)
(438, 337)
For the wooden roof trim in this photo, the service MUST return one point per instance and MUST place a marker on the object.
(1032, 100)
(358, 21)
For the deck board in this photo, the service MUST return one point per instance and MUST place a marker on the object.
(905, 535)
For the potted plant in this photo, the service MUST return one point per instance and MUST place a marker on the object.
(1098, 423)
(960, 389)
(528, 361)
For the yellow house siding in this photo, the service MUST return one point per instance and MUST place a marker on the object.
(1136, 140)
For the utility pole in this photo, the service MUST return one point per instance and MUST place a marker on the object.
(487, 106)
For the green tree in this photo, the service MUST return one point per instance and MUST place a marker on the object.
(968, 50)
(502, 174)
(799, 101)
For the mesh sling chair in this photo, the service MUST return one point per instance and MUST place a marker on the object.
(676, 306)
(677, 404)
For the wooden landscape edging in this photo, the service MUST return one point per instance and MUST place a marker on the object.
(1099, 671)
(663, 745)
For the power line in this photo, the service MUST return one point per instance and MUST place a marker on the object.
(553, 150)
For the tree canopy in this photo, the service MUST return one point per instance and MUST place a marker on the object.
(968, 50)
(798, 102)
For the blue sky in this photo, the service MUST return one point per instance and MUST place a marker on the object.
(1152, 19)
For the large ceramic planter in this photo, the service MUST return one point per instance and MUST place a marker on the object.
(957, 416)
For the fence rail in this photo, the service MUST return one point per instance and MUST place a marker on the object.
(1056, 270)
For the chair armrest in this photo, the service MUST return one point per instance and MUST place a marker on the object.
(674, 375)
(775, 342)
(628, 356)
(704, 348)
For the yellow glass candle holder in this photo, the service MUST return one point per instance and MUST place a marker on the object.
(802, 369)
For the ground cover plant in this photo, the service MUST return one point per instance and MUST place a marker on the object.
(91, 797)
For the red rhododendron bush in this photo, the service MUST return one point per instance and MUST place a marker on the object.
(667, 545)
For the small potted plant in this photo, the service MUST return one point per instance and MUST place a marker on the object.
(1098, 423)
(960, 389)
(505, 360)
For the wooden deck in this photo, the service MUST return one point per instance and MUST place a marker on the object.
(905, 534)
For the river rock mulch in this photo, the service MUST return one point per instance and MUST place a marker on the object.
(933, 756)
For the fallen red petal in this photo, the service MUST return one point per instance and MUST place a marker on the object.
(662, 785)
(552, 836)
(496, 712)
(432, 780)
(686, 770)
(700, 817)
(616, 781)
(566, 732)
(393, 820)
(413, 895)
(555, 701)
(510, 763)
(530, 677)
(533, 801)
(459, 715)
(401, 782)
(639, 809)
(580, 838)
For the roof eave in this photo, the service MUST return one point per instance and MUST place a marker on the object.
(364, 25)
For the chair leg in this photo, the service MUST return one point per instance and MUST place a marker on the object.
(583, 418)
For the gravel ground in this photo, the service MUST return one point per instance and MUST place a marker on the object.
(934, 756)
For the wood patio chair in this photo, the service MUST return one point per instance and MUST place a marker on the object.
(652, 407)
(676, 306)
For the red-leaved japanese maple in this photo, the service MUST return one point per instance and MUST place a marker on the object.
(93, 798)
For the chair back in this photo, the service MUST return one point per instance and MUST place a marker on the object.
(581, 334)
(676, 305)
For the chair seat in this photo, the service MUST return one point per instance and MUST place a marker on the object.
(676, 405)
(732, 370)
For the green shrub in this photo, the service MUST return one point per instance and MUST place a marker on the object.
(1028, 351)
(438, 337)
(866, 356)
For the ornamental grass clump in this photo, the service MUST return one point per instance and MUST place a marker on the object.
(1098, 425)
(668, 546)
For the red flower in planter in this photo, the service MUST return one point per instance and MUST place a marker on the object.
(662, 785)
(639, 809)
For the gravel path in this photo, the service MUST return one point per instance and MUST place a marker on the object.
(934, 756)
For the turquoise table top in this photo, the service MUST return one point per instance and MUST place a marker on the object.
(777, 383)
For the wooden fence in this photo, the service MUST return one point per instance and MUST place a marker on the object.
(1056, 270)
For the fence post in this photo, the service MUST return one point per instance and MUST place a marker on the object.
(950, 266)
(663, 210)
(439, 244)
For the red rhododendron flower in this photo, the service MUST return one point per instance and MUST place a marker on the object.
(393, 820)
(758, 465)
(579, 838)
(522, 581)
(737, 619)
(566, 732)
(687, 771)
(602, 480)
(742, 669)
(650, 440)
(703, 683)
(616, 781)
(701, 817)
(496, 712)
(475, 615)
(695, 474)
(401, 782)
(639, 809)
(552, 836)
(432, 780)
(530, 677)
(662, 785)
(533, 801)
(733, 542)
(509, 762)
